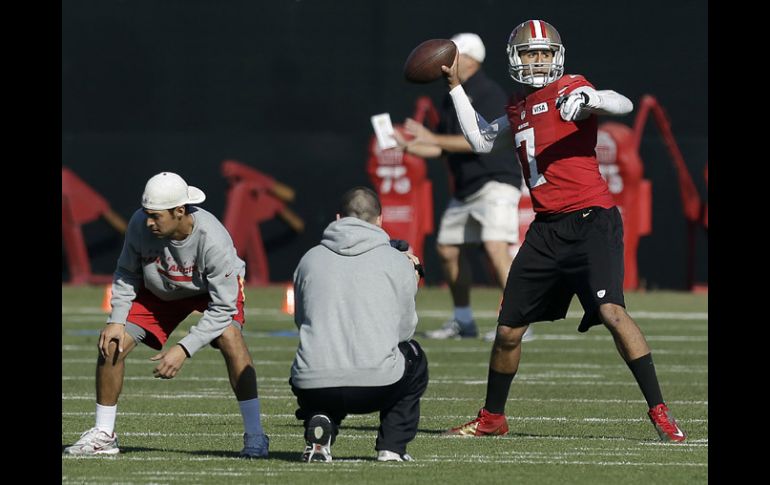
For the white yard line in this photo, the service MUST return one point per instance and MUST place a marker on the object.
(690, 369)
(429, 349)
(228, 395)
(348, 433)
(67, 310)
(531, 379)
(335, 468)
(451, 417)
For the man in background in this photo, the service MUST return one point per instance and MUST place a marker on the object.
(484, 208)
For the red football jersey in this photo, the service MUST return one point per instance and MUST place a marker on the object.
(557, 157)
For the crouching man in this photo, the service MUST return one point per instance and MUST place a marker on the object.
(355, 310)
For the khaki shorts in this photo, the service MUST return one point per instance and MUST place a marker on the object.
(489, 214)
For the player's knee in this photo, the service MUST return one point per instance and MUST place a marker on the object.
(508, 338)
(613, 315)
(228, 336)
(230, 342)
(112, 357)
(497, 249)
(447, 252)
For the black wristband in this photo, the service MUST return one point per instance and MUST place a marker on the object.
(420, 270)
(187, 352)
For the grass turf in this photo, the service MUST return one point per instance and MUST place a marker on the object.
(575, 413)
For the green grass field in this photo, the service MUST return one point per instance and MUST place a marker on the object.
(575, 412)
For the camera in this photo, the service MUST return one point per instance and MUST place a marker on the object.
(399, 244)
(402, 246)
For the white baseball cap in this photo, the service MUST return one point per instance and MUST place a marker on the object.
(470, 45)
(168, 190)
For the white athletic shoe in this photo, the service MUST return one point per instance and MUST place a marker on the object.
(316, 452)
(94, 442)
(385, 455)
(453, 330)
(318, 439)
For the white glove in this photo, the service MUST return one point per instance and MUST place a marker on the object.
(577, 106)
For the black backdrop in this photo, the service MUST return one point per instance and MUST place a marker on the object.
(288, 87)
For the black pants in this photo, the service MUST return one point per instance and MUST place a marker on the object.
(398, 403)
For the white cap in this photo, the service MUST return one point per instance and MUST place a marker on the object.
(470, 45)
(168, 190)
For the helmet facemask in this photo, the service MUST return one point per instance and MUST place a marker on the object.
(535, 35)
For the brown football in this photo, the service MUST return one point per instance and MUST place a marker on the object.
(424, 63)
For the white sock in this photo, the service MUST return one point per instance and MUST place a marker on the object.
(463, 315)
(250, 414)
(105, 417)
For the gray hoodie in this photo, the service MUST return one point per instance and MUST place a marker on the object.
(204, 262)
(354, 302)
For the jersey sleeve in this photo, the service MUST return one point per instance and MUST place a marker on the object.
(128, 275)
(221, 271)
(570, 82)
(480, 134)
(601, 102)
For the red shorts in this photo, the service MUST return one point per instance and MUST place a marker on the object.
(159, 318)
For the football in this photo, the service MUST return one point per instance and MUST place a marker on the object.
(424, 63)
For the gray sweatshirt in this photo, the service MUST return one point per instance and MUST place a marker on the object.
(354, 302)
(204, 262)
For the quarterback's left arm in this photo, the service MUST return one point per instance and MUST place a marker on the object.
(585, 101)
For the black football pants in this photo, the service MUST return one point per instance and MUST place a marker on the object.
(398, 403)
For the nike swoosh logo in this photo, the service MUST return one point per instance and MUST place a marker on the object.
(586, 214)
(678, 433)
(228, 274)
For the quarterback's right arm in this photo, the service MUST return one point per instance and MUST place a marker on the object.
(483, 137)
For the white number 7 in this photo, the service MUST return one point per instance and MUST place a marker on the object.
(525, 148)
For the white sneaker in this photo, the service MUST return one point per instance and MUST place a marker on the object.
(94, 442)
(452, 329)
(528, 335)
(318, 439)
(385, 455)
(316, 452)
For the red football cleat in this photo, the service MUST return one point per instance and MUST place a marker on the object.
(665, 424)
(486, 424)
